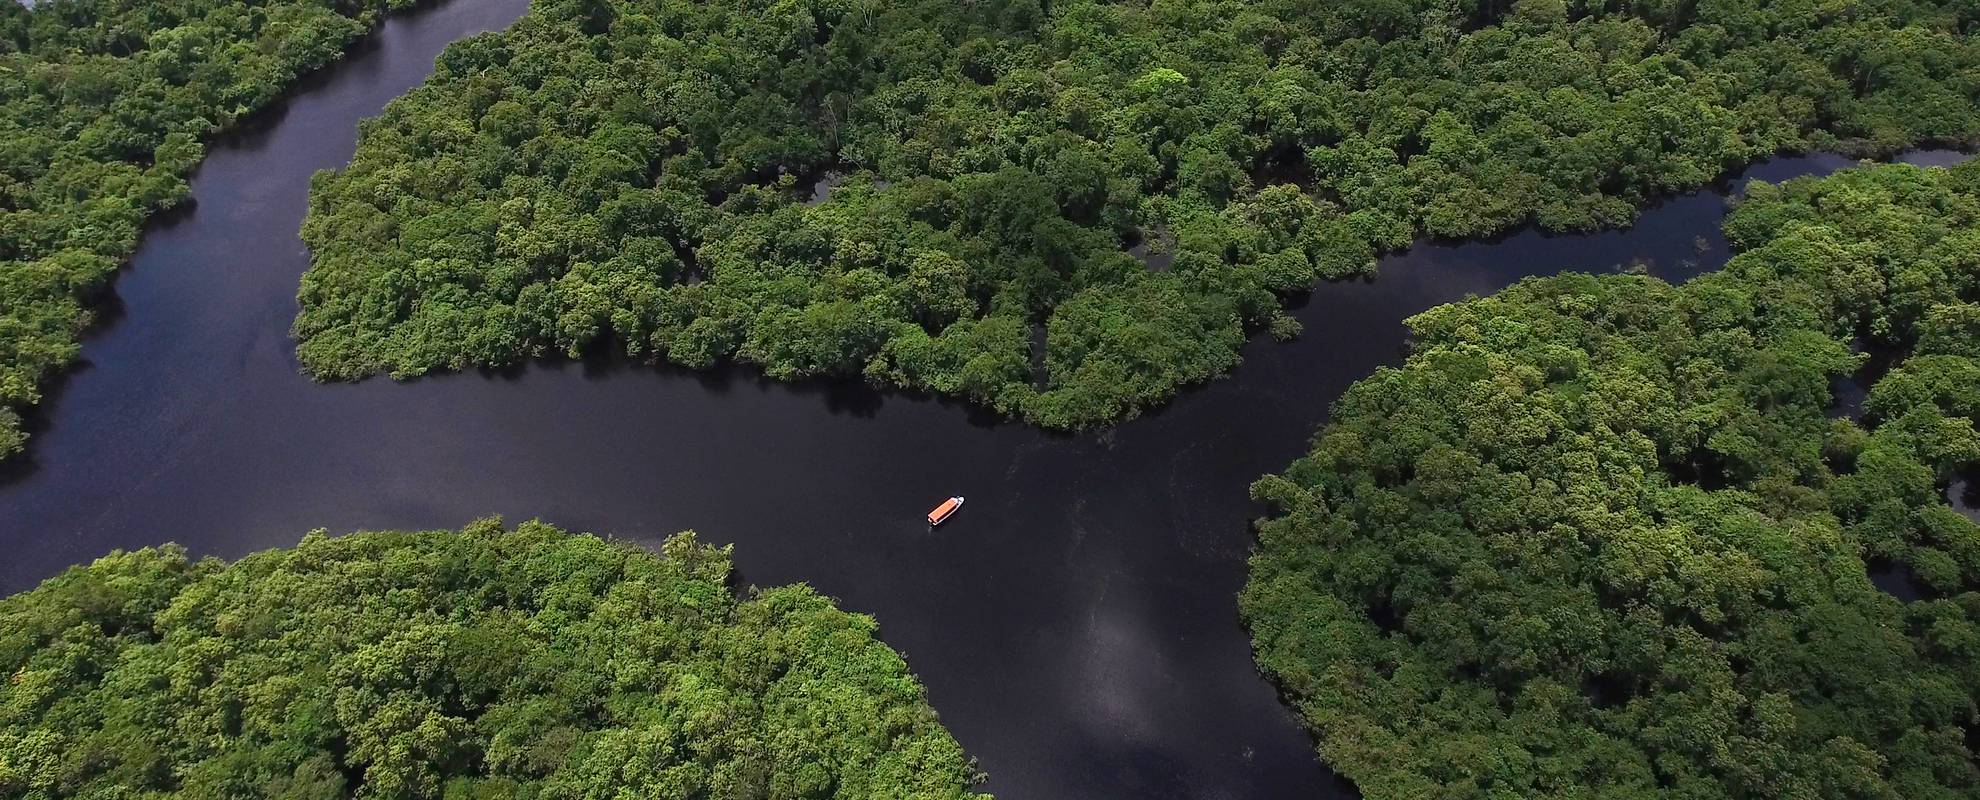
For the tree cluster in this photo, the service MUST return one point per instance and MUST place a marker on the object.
(631, 175)
(103, 105)
(1605, 537)
(476, 665)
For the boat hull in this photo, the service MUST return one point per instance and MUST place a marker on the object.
(943, 512)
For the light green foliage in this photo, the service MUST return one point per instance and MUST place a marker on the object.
(103, 104)
(480, 664)
(1019, 144)
(1599, 537)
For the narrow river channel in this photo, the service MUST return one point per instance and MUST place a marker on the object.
(1076, 624)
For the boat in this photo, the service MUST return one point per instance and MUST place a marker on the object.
(947, 509)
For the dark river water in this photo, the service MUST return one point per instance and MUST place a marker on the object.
(1076, 624)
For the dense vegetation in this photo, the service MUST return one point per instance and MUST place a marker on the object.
(629, 174)
(479, 665)
(1604, 537)
(103, 104)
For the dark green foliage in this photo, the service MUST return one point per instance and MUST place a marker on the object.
(103, 104)
(1600, 538)
(626, 174)
(483, 664)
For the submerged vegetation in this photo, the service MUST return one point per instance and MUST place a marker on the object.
(483, 664)
(1607, 537)
(103, 105)
(629, 174)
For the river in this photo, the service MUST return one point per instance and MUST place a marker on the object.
(1076, 624)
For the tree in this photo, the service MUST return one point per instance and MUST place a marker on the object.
(991, 163)
(483, 663)
(1600, 536)
(105, 106)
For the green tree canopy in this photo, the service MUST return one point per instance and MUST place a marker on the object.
(481, 664)
(1603, 537)
(103, 105)
(631, 174)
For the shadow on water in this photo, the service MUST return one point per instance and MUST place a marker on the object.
(1849, 392)
(835, 395)
(105, 310)
(1898, 580)
(250, 133)
(167, 218)
(1076, 626)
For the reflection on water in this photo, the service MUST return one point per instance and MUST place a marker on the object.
(1846, 396)
(1155, 248)
(1934, 158)
(1898, 580)
(1849, 392)
(821, 189)
(1964, 495)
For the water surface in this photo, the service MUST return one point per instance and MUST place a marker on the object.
(1076, 624)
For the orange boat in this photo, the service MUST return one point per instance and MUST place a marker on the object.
(947, 509)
